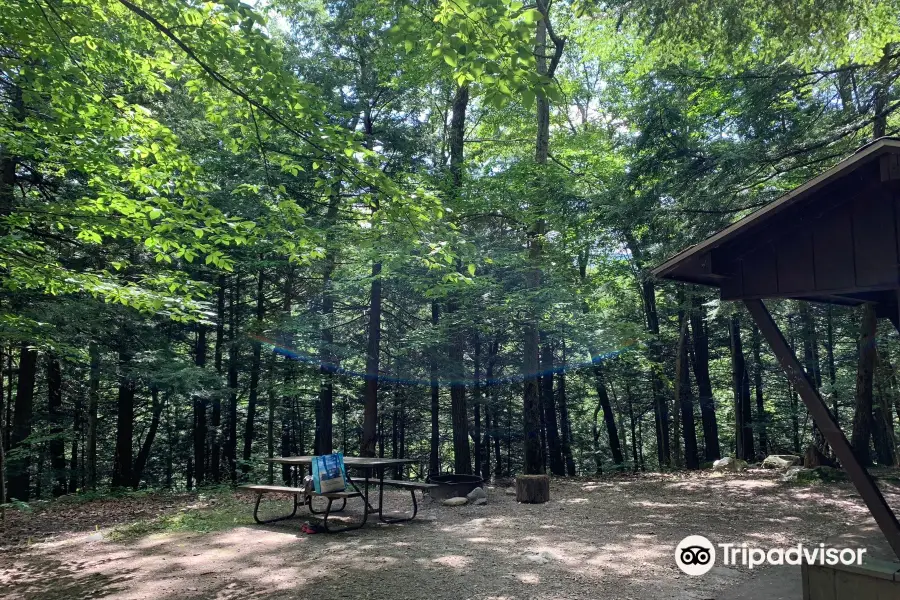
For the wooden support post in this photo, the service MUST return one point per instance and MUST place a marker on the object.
(860, 477)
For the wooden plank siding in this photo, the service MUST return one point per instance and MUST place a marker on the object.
(833, 244)
(852, 245)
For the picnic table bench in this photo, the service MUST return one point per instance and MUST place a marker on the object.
(307, 500)
(366, 465)
(412, 486)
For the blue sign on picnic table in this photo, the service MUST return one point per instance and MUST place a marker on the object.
(328, 473)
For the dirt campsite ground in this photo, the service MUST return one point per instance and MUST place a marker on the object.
(604, 538)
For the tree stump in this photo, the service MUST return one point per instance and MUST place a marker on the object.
(814, 458)
(533, 489)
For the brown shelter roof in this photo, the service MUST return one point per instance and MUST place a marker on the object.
(832, 239)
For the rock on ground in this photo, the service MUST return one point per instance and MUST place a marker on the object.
(801, 475)
(822, 473)
(792, 473)
(455, 502)
(780, 461)
(480, 501)
(729, 464)
(476, 494)
(510, 491)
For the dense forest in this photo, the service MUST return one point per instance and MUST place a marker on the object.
(415, 229)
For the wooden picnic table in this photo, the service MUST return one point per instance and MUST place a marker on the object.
(364, 462)
(367, 465)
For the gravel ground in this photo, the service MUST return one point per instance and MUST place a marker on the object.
(609, 538)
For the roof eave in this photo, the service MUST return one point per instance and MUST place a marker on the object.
(861, 156)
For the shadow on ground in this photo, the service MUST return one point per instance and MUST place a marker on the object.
(595, 539)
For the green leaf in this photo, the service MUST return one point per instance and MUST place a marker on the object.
(450, 58)
(532, 16)
(528, 97)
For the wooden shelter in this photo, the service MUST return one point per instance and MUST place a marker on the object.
(834, 239)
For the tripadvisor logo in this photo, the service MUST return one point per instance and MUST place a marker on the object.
(696, 555)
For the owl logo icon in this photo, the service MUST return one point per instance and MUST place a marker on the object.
(695, 555)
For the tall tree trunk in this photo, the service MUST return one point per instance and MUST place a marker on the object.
(140, 463)
(883, 430)
(20, 469)
(215, 459)
(704, 384)
(322, 433)
(602, 392)
(862, 417)
(883, 78)
(640, 429)
(373, 350)
(287, 426)
(324, 440)
(373, 346)
(4, 425)
(75, 473)
(39, 475)
(531, 342)
(123, 470)
(609, 418)
(544, 453)
(271, 406)
(381, 434)
(462, 457)
(762, 417)
(255, 365)
(660, 405)
(395, 422)
(554, 448)
(741, 385)
(233, 357)
(565, 422)
(170, 445)
(792, 395)
(684, 395)
(812, 365)
(54, 408)
(595, 433)
(829, 357)
(93, 403)
(434, 461)
(490, 411)
(402, 434)
(200, 427)
(477, 405)
(636, 443)
(531, 367)
(495, 407)
(486, 441)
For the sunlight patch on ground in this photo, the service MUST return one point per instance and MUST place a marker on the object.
(750, 484)
(529, 578)
(454, 561)
(651, 504)
(575, 501)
